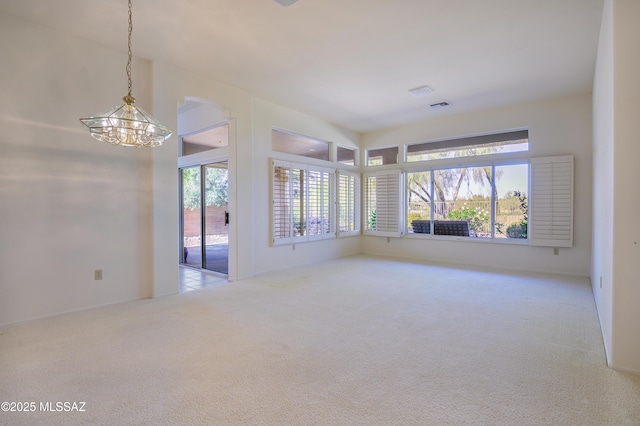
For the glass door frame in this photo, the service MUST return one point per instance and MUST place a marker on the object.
(228, 154)
(202, 170)
(181, 214)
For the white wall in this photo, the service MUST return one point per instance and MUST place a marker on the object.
(557, 127)
(205, 115)
(616, 129)
(71, 205)
(68, 204)
(626, 249)
(171, 86)
(603, 179)
(267, 116)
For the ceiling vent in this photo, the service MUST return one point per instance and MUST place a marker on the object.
(421, 91)
(440, 105)
(286, 3)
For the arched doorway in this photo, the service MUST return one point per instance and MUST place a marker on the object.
(206, 141)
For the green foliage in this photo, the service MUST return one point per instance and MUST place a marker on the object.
(416, 216)
(372, 221)
(191, 188)
(477, 218)
(216, 187)
(524, 204)
(519, 230)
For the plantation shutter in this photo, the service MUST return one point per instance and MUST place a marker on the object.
(383, 198)
(281, 203)
(319, 213)
(303, 200)
(348, 203)
(551, 202)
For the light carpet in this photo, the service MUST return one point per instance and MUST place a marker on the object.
(354, 341)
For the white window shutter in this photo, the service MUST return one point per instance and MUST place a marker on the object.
(303, 203)
(281, 203)
(384, 200)
(551, 202)
(319, 211)
(348, 203)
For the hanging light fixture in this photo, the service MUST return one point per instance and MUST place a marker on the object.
(127, 125)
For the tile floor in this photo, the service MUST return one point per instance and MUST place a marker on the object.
(195, 279)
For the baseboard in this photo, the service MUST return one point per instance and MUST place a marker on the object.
(625, 370)
(57, 314)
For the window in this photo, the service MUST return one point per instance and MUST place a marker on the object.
(471, 146)
(348, 203)
(383, 198)
(419, 190)
(494, 201)
(382, 156)
(511, 201)
(213, 138)
(302, 198)
(346, 156)
(482, 201)
(292, 143)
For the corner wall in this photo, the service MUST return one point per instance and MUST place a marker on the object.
(267, 116)
(603, 179)
(558, 127)
(616, 129)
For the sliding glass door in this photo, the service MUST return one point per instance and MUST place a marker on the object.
(191, 218)
(205, 217)
(216, 223)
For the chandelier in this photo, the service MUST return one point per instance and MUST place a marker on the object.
(127, 125)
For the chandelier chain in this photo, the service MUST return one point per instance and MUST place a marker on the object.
(127, 125)
(129, 45)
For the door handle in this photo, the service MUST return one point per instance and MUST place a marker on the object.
(226, 218)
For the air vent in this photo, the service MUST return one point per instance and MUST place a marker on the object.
(421, 91)
(440, 105)
(286, 3)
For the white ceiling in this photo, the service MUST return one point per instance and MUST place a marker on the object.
(217, 137)
(352, 62)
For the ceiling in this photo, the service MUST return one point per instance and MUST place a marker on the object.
(216, 137)
(352, 62)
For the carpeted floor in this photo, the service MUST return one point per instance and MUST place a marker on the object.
(361, 340)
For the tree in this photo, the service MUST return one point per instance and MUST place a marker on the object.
(448, 182)
(216, 187)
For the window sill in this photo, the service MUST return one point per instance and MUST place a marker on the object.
(516, 241)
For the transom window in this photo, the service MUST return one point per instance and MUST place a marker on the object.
(382, 156)
(304, 146)
(205, 140)
(470, 146)
(346, 156)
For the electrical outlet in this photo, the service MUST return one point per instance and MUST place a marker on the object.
(97, 274)
(556, 251)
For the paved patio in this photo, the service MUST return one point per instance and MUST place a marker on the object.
(217, 257)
